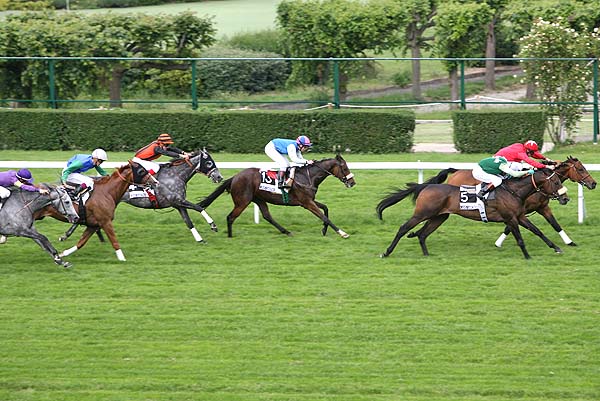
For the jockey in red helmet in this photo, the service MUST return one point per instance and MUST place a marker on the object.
(520, 153)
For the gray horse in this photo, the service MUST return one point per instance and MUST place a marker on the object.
(16, 216)
(171, 191)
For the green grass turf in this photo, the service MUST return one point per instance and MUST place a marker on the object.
(262, 316)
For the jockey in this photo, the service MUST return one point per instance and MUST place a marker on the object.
(522, 155)
(154, 150)
(81, 163)
(293, 149)
(20, 179)
(490, 171)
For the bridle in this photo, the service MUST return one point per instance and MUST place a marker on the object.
(343, 179)
(132, 181)
(554, 195)
(571, 166)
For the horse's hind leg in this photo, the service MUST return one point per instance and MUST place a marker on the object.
(525, 222)
(89, 231)
(326, 213)
(188, 222)
(404, 228)
(189, 205)
(429, 227)
(237, 210)
(45, 244)
(264, 210)
(502, 237)
(69, 232)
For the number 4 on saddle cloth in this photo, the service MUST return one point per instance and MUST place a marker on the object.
(136, 191)
(470, 201)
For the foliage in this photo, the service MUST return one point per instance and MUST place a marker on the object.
(559, 81)
(250, 76)
(486, 131)
(401, 78)
(25, 5)
(96, 35)
(231, 131)
(334, 28)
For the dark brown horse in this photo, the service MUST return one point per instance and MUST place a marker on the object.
(100, 207)
(244, 188)
(435, 203)
(571, 169)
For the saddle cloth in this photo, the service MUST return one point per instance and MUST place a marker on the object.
(470, 201)
(269, 181)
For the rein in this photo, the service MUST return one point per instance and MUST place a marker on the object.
(538, 189)
(342, 179)
(565, 176)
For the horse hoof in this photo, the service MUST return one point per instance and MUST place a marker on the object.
(67, 265)
(343, 234)
(383, 255)
(558, 250)
(289, 234)
(572, 244)
(214, 228)
(62, 238)
(201, 242)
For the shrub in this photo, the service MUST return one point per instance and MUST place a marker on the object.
(268, 40)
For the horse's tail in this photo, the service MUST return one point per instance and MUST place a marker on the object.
(411, 189)
(225, 186)
(441, 176)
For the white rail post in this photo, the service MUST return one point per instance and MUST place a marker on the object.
(580, 204)
(420, 179)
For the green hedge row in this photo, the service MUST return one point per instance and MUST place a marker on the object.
(486, 131)
(228, 131)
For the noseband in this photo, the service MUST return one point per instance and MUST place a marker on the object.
(554, 195)
(343, 179)
(581, 181)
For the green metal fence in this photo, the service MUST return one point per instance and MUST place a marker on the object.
(194, 101)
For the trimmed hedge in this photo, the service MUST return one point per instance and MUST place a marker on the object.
(228, 131)
(486, 131)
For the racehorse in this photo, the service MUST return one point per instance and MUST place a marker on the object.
(173, 178)
(571, 169)
(16, 216)
(244, 188)
(100, 207)
(435, 203)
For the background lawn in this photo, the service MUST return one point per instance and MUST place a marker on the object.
(262, 316)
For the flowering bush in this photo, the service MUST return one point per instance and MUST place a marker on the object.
(564, 81)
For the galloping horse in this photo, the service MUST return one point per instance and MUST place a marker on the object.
(571, 169)
(100, 207)
(17, 216)
(244, 188)
(435, 203)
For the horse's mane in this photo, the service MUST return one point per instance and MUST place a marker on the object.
(119, 170)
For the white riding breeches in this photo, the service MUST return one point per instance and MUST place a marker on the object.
(77, 178)
(150, 166)
(4, 193)
(281, 160)
(481, 175)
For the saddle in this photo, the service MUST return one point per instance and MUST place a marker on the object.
(138, 191)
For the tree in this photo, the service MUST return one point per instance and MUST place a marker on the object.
(99, 35)
(559, 81)
(460, 33)
(334, 28)
(417, 16)
(497, 7)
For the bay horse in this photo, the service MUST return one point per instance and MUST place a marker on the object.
(244, 188)
(435, 202)
(17, 216)
(173, 178)
(571, 169)
(103, 200)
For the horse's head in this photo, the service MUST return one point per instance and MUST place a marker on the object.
(204, 163)
(549, 183)
(574, 170)
(136, 175)
(62, 202)
(340, 170)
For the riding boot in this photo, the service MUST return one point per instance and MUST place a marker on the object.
(281, 179)
(81, 190)
(153, 179)
(485, 188)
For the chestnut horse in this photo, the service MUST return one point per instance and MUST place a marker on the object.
(100, 207)
(435, 203)
(571, 169)
(244, 188)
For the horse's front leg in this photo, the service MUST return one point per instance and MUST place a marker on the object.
(109, 229)
(312, 206)
(89, 231)
(514, 228)
(547, 213)
(188, 222)
(326, 213)
(189, 205)
(69, 232)
(525, 222)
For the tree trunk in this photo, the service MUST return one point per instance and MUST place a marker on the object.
(343, 86)
(530, 91)
(453, 76)
(114, 87)
(490, 52)
(416, 70)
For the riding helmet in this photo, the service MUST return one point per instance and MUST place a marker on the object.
(165, 138)
(531, 145)
(304, 141)
(24, 175)
(100, 154)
